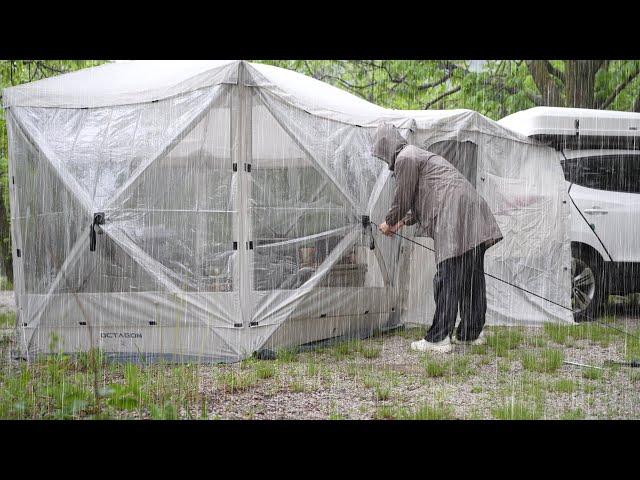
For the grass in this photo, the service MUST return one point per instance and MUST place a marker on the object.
(428, 412)
(573, 414)
(297, 386)
(7, 320)
(312, 368)
(504, 340)
(287, 355)
(234, 382)
(631, 345)
(592, 373)
(547, 360)
(504, 365)
(385, 412)
(265, 370)
(556, 332)
(563, 385)
(455, 365)
(381, 394)
(370, 352)
(516, 411)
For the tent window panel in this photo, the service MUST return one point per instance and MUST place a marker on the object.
(289, 186)
(46, 242)
(182, 184)
(103, 147)
(288, 223)
(196, 248)
(108, 269)
(462, 155)
(288, 265)
(38, 188)
(342, 150)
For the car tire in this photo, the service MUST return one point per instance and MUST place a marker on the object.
(588, 292)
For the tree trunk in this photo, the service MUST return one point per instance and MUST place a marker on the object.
(580, 81)
(545, 82)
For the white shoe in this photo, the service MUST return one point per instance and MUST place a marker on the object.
(444, 346)
(481, 340)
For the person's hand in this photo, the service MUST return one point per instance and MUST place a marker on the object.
(390, 230)
(384, 228)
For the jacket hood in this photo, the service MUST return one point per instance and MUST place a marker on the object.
(387, 144)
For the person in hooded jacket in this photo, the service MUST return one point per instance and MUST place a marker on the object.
(434, 194)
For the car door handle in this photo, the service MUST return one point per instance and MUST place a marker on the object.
(596, 211)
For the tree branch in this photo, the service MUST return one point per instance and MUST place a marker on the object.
(554, 71)
(616, 91)
(426, 86)
(440, 97)
(49, 67)
(347, 84)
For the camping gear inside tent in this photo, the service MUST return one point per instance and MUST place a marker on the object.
(211, 209)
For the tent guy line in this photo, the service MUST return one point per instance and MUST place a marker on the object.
(513, 285)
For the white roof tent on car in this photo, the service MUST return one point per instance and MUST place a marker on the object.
(577, 127)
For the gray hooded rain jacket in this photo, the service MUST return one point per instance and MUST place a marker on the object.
(432, 192)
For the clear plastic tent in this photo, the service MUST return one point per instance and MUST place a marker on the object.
(212, 209)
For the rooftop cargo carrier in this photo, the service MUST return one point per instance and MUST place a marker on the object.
(577, 128)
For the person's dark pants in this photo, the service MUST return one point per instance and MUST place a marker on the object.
(459, 283)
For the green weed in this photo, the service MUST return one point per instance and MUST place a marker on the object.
(545, 361)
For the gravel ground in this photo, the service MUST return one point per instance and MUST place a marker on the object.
(347, 388)
(382, 378)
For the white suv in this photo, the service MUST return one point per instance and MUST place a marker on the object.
(600, 156)
(604, 186)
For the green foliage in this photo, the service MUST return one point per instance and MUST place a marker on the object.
(128, 395)
(497, 89)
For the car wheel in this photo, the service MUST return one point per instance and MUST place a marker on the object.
(587, 288)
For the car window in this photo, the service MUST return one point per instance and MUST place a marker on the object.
(616, 173)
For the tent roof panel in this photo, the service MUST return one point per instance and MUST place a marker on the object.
(129, 82)
(121, 83)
